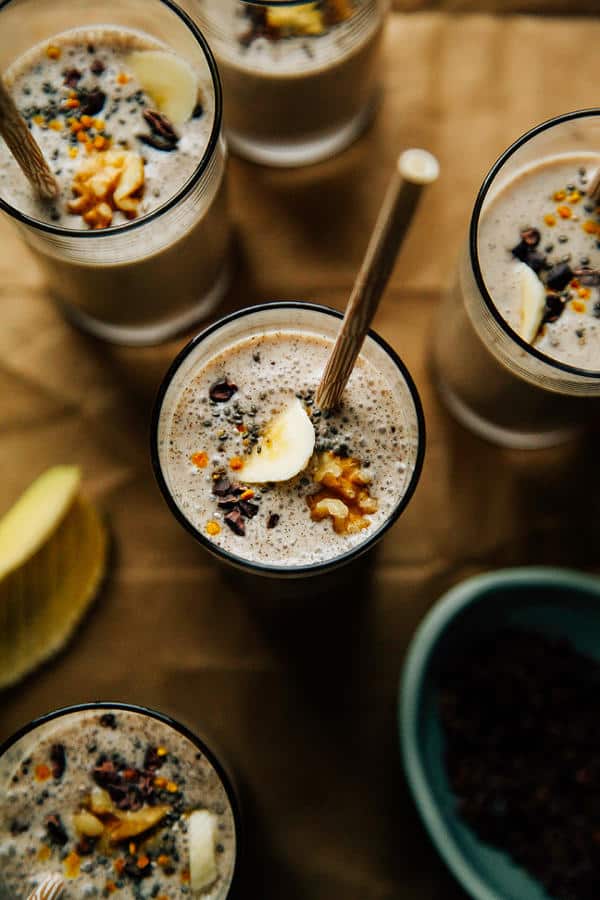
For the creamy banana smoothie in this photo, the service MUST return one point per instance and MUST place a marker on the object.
(115, 801)
(539, 247)
(300, 82)
(517, 343)
(128, 125)
(258, 471)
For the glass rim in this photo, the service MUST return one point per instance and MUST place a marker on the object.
(239, 561)
(192, 181)
(167, 720)
(473, 239)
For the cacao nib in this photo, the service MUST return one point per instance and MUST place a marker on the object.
(72, 77)
(17, 827)
(554, 308)
(58, 759)
(222, 391)
(588, 276)
(85, 846)
(536, 261)
(133, 871)
(108, 720)
(91, 102)
(152, 760)
(236, 523)
(228, 502)
(559, 276)
(531, 237)
(521, 251)
(248, 509)
(56, 831)
(97, 67)
(221, 486)
(531, 257)
(105, 774)
(273, 520)
(126, 798)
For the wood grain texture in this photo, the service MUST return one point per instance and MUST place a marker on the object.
(300, 692)
(24, 148)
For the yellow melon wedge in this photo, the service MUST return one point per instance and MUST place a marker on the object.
(36, 515)
(53, 549)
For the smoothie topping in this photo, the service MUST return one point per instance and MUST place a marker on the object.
(344, 496)
(303, 20)
(109, 181)
(236, 501)
(169, 81)
(125, 819)
(548, 286)
(285, 448)
(222, 391)
(162, 134)
(533, 302)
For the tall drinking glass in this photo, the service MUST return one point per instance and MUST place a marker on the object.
(138, 281)
(300, 82)
(503, 387)
(217, 401)
(105, 795)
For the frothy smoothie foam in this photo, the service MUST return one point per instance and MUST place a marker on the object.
(238, 418)
(81, 96)
(130, 127)
(115, 801)
(540, 256)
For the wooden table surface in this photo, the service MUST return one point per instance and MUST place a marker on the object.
(301, 695)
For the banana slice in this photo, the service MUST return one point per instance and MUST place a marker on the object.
(203, 861)
(169, 81)
(52, 559)
(303, 19)
(533, 302)
(286, 447)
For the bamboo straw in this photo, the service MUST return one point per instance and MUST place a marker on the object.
(50, 888)
(24, 148)
(593, 188)
(414, 170)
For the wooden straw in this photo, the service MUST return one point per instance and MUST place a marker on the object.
(593, 188)
(50, 888)
(414, 170)
(24, 148)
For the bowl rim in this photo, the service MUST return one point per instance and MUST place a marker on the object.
(422, 646)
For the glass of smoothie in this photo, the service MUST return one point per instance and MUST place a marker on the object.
(517, 342)
(258, 474)
(124, 99)
(116, 799)
(301, 81)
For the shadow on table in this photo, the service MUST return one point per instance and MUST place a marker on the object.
(521, 507)
(318, 627)
(135, 373)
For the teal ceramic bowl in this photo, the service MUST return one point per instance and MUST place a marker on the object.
(555, 602)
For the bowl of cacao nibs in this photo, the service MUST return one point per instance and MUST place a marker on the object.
(499, 716)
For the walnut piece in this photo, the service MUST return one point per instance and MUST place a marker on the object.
(110, 180)
(344, 497)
